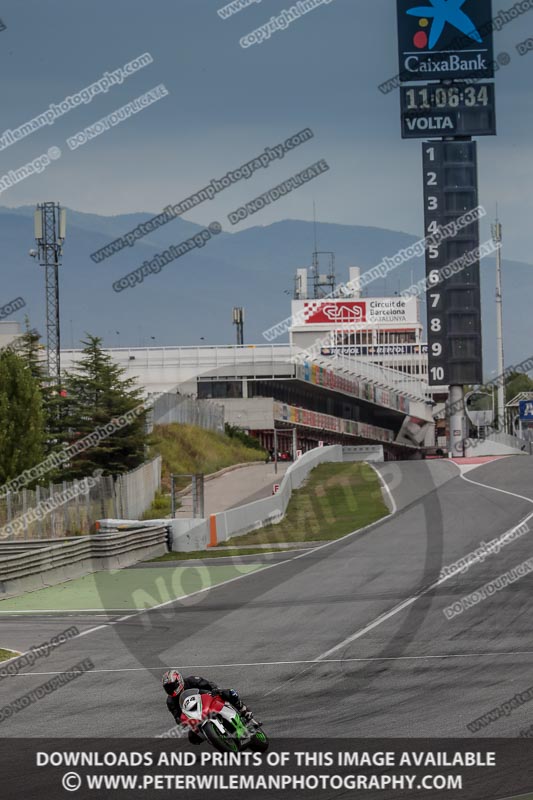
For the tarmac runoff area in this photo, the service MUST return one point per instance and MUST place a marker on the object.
(125, 590)
(361, 618)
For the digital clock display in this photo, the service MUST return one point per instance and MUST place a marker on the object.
(458, 109)
(420, 98)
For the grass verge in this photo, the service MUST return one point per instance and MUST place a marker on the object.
(214, 553)
(5, 655)
(335, 500)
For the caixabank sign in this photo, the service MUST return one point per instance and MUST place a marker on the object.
(445, 39)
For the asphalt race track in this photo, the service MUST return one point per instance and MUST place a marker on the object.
(349, 639)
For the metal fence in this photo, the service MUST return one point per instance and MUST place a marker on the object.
(125, 496)
(135, 490)
(187, 410)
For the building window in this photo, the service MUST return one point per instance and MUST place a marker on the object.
(396, 337)
(210, 390)
(350, 338)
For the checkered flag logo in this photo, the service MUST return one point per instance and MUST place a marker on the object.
(333, 312)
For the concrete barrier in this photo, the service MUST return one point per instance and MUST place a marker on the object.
(497, 444)
(187, 535)
(271, 510)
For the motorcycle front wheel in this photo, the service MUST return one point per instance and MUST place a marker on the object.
(220, 741)
(259, 742)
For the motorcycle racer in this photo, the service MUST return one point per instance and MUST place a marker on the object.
(174, 684)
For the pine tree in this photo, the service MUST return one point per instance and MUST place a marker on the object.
(30, 350)
(97, 393)
(21, 417)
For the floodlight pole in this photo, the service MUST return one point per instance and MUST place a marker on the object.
(497, 239)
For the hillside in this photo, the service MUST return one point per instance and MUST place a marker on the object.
(190, 301)
(188, 449)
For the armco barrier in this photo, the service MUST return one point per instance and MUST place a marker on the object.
(236, 521)
(46, 563)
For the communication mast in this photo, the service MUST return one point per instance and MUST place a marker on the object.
(323, 283)
(50, 229)
(238, 321)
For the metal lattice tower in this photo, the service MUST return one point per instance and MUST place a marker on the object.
(50, 235)
(323, 283)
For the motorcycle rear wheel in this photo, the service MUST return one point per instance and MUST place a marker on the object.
(221, 742)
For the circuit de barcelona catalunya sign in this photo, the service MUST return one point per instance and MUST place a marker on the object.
(442, 39)
(337, 313)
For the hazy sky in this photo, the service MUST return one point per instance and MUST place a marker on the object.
(226, 104)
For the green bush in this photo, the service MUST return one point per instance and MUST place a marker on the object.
(161, 507)
(237, 433)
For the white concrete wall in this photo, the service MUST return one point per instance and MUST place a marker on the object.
(194, 534)
(255, 413)
(489, 448)
(162, 369)
(271, 510)
(189, 534)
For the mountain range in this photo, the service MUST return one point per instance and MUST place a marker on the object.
(190, 301)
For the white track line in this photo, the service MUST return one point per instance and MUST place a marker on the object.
(312, 662)
(496, 489)
(323, 657)
(410, 600)
(73, 611)
(358, 634)
(238, 577)
(305, 551)
(249, 574)
(16, 654)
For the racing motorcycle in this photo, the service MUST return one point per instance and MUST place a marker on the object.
(220, 723)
